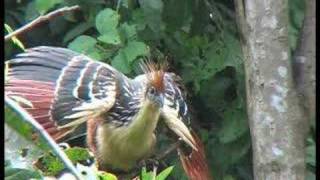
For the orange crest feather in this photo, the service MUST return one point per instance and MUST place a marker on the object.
(155, 73)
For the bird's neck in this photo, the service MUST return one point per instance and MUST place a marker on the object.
(144, 123)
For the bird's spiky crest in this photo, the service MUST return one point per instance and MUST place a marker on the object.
(155, 73)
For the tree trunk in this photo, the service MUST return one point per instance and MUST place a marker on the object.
(305, 61)
(277, 124)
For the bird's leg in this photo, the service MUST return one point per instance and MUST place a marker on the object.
(151, 162)
(144, 163)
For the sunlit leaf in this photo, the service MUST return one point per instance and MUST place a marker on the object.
(14, 39)
(107, 20)
(165, 173)
(86, 45)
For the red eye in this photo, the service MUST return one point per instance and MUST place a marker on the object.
(152, 90)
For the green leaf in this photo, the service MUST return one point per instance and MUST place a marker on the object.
(128, 32)
(135, 49)
(44, 5)
(120, 62)
(14, 39)
(50, 165)
(86, 45)
(112, 37)
(164, 174)
(24, 129)
(107, 176)
(106, 24)
(128, 54)
(107, 20)
(17, 173)
(146, 175)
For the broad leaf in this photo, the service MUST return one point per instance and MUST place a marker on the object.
(121, 63)
(135, 49)
(164, 174)
(86, 45)
(107, 20)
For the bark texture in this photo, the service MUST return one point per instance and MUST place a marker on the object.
(305, 61)
(277, 124)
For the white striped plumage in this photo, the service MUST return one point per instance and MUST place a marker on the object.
(123, 112)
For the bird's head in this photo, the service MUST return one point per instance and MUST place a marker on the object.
(154, 92)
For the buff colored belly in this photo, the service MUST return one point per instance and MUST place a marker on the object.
(120, 152)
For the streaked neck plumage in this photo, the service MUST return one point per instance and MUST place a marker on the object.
(121, 147)
(144, 123)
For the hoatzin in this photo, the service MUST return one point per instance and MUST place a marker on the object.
(68, 89)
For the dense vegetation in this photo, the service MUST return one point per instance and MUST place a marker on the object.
(200, 41)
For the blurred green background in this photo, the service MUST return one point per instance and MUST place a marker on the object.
(199, 39)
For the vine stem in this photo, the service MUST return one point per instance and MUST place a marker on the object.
(55, 147)
(41, 19)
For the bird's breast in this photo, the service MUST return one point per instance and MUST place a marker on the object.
(118, 151)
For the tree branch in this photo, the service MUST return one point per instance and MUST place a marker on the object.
(55, 147)
(39, 20)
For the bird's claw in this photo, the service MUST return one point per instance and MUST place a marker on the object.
(149, 163)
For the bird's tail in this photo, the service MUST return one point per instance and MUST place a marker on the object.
(31, 80)
(194, 163)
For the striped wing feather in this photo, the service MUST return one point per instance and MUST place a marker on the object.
(193, 163)
(64, 87)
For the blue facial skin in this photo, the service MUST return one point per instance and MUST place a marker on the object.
(159, 100)
(155, 96)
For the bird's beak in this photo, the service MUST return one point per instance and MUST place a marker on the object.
(159, 100)
(177, 126)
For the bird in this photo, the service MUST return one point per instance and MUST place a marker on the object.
(68, 90)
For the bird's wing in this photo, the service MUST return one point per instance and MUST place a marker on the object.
(64, 88)
(175, 112)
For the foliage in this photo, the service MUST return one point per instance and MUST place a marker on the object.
(199, 39)
(150, 175)
(50, 165)
(18, 173)
(14, 39)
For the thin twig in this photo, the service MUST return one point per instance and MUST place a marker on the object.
(55, 147)
(39, 20)
(171, 148)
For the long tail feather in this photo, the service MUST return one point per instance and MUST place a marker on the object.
(195, 164)
(40, 95)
